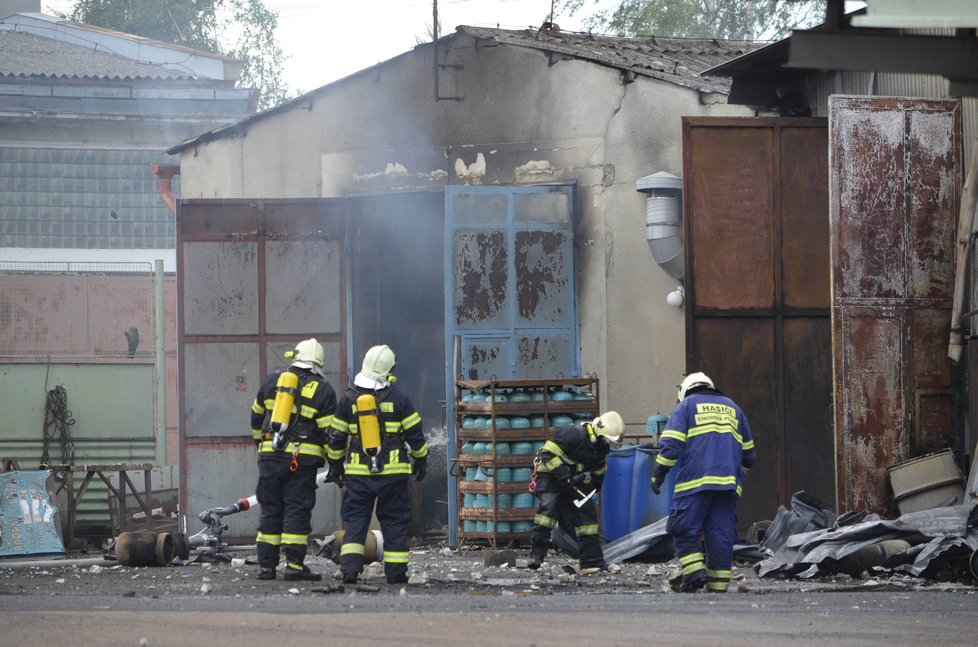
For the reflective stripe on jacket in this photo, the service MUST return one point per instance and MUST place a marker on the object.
(710, 432)
(400, 430)
(312, 416)
(573, 450)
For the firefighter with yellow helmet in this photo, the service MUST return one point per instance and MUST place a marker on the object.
(289, 422)
(567, 469)
(709, 434)
(378, 433)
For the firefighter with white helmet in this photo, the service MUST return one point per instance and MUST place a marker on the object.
(379, 433)
(289, 421)
(567, 469)
(709, 433)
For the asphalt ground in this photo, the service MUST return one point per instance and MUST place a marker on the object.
(455, 598)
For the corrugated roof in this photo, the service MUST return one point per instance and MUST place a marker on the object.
(674, 60)
(26, 55)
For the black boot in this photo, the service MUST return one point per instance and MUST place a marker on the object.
(396, 573)
(693, 582)
(299, 572)
(266, 572)
(537, 556)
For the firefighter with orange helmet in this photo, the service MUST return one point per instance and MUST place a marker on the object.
(289, 422)
(378, 432)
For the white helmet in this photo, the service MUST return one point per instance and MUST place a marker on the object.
(691, 380)
(379, 362)
(307, 354)
(610, 426)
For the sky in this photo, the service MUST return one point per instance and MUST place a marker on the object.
(326, 40)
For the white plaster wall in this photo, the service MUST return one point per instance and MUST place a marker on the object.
(520, 121)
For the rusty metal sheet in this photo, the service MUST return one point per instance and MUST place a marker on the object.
(254, 277)
(486, 359)
(731, 173)
(220, 381)
(871, 423)
(804, 222)
(481, 274)
(758, 319)
(543, 261)
(311, 270)
(743, 366)
(542, 356)
(220, 288)
(806, 386)
(895, 188)
(218, 219)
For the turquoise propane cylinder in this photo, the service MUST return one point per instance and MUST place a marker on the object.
(656, 424)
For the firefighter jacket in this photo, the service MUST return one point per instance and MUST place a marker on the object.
(710, 432)
(400, 430)
(312, 415)
(574, 450)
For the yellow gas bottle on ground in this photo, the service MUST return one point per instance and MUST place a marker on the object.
(286, 389)
(369, 425)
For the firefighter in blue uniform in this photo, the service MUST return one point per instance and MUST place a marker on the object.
(377, 467)
(710, 433)
(287, 465)
(568, 467)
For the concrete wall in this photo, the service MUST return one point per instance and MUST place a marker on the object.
(521, 121)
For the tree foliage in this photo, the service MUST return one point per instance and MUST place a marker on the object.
(242, 29)
(724, 19)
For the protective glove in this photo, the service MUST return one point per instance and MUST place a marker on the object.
(336, 473)
(597, 482)
(658, 476)
(420, 468)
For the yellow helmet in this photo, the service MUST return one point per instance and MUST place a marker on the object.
(307, 354)
(379, 362)
(691, 380)
(610, 426)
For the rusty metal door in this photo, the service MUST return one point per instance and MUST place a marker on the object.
(254, 277)
(757, 288)
(895, 191)
(510, 306)
(510, 302)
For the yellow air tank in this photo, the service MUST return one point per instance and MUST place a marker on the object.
(369, 425)
(287, 387)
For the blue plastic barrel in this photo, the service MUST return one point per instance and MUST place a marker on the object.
(646, 506)
(616, 494)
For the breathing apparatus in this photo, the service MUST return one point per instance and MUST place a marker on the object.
(286, 389)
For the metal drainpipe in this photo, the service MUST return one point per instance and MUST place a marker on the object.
(166, 173)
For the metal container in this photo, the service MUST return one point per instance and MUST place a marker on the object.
(144, 548)
(927, 482)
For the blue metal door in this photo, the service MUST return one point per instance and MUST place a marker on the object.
(510, 307)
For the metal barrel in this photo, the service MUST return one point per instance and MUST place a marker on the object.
(144, 548)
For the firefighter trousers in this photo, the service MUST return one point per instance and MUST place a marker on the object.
(708, 515)
(558, 507)
(286, 499)
(394, 514)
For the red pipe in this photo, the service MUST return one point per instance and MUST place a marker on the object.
(166, 173)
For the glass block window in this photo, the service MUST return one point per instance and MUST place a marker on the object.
(83, 198)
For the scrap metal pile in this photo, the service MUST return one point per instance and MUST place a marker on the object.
(810, 540)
